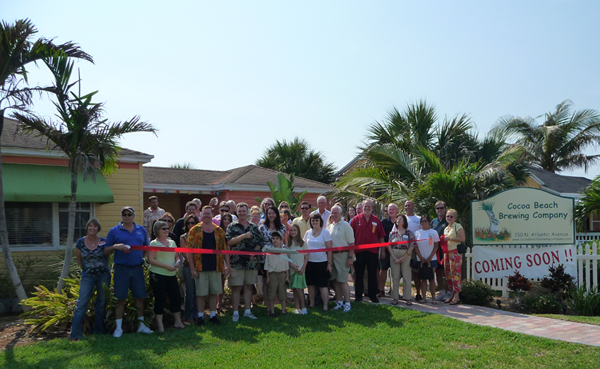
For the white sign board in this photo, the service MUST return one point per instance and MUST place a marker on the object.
(499, 262)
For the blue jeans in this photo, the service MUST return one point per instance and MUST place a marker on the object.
(191, 307)
(86, 289)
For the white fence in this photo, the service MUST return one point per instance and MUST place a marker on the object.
(587, 255)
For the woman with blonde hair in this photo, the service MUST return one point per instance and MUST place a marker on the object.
(453, 234)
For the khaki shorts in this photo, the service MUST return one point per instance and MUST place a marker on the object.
(340, 270)
(277, 287)
(243, 277)
(208, 283)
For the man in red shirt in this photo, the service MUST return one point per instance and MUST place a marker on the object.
(367, 229)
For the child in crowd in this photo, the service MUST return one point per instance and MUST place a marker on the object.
(277, 270)
(297, 267)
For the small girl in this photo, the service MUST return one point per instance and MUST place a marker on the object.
(278, 276)
(297, 267)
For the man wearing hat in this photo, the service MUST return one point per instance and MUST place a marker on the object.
(129, 267)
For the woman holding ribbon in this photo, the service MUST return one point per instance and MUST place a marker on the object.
(162, 276)
(453, 234)
(400, 259)
(319, 267)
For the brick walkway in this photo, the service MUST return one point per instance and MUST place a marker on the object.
(536, 326)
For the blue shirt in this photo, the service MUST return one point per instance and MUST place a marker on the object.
(139, 237)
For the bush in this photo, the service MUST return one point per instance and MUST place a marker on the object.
(586, 303)
(540, 304)
(519, 282)
(476, 293)
(52, 312)
(559, 282)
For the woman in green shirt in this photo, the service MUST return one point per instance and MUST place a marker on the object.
(162, 276)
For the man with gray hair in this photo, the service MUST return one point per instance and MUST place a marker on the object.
(322, 209)
(367, 230)
(341, 235)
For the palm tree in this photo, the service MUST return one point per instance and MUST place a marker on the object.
(559, 142)
(17, 50)
(297, 157)
(89, 142)
(588, 204)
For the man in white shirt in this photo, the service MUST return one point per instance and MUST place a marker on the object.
(414, 221)
(322, 210)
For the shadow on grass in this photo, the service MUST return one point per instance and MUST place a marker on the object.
(362, 314)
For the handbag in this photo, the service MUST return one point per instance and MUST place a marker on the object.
(415, 264)
(461, 247)
(425, 271)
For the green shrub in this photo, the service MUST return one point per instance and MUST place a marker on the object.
(540, 304)
(52, 312)
(559, 282)
(476, 293)
(584, 302)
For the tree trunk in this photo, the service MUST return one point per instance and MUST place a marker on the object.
(70, 233)
(10, 265)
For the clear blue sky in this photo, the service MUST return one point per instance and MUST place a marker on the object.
(223, 80)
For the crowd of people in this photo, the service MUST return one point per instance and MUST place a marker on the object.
(423, 251)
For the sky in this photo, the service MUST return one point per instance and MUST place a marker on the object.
(223, 80)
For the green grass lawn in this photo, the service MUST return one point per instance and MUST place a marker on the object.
(368, 336)
(595, 320)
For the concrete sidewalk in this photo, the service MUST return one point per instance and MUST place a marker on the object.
(536, 326)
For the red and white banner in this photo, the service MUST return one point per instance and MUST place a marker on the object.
(497, 262)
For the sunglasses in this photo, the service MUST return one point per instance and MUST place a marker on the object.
(449, 216)
(127, 214)
(223, 210)
(169, 220)
(165, 229)
(304, 208)
(284, 207)
(440, 208)
(425, 221)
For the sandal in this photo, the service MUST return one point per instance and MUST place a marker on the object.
(408, 302)
(421, 301)
(454, 302)
(394, 302)
(434, 302)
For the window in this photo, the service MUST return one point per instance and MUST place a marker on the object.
(44, 224)
(82, 215)
(595, 222)
(29, 223)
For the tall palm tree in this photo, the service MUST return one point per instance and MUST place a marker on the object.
(88, 141)
(17, 51)
(560, 141)
(297, 157)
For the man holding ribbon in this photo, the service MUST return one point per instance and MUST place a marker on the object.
(243, 236)
(128, 268)
(367, 230)
(207, 268)
(341, 235)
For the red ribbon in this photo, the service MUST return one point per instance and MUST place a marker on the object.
(255, 253)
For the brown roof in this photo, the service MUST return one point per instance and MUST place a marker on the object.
(248, 175)
(11, 139)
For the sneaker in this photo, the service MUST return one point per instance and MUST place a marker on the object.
(304, 311)
(249, 316)
(118, 333)
(236, 318)
(214, 320)
(375, 299)
(448, 294)
(338, 305)
(200, 322)
(143, 329)
(347, 308)
(297, 311)
(441, 296)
